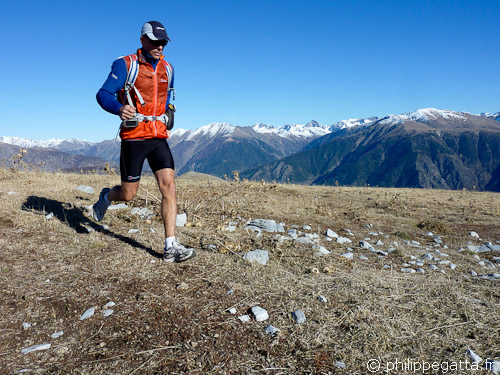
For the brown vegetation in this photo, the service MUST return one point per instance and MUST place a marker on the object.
(171, 318)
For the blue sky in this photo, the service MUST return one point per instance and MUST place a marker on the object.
(244, 62)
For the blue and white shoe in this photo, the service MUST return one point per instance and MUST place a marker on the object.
(101, 206)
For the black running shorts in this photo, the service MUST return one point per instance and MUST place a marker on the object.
(134, 152)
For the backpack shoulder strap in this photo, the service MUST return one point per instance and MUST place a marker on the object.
(170, 75)
(133, 72)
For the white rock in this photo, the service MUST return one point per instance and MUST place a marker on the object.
(386, 266)
(322, 299)
(478, 249)
(245, 318)
(49, 216)
(56, 335)
(408, 270)
(321, 250)
(380, 252)
(119, 206)
(299, 316)
(306, 227)
(109, 304)
(11, 192)
(495, 248)
(232, 310)
(362, 257)
(434, 267)
(365, 245)
(107, 312)
(85, 189)
(230, 228)
(259, 313)
(440, 253)
(348, 255)
(473, 234)
(144, 213)
(130, 231)
(230, 291)
(474, 357)
(270, 330)
(87, 314)
(258, 256)
(343, 240)
(181, 220)
(340, 365)
(330, 233)
(420, 270)
(493, 365)
(26, 325)
(379, 243)
(265, 225)
(35, 348)
(453, 266)
(304, 241)
(473, 273)
(349, 232)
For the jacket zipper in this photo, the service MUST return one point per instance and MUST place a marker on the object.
(155, 95)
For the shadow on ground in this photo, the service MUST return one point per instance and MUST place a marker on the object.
(74, 218)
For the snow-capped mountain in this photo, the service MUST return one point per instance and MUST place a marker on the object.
(50, 143)
(425, 115)
(212, 130)
(311, 129)
(221, 148)
(427, 148)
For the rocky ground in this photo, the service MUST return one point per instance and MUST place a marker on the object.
(288, 279)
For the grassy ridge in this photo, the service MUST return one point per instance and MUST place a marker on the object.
(173, 319)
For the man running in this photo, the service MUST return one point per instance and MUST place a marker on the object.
(143, 132)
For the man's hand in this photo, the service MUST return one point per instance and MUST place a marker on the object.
(126, 112)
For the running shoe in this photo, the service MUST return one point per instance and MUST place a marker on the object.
(178, 253)
(100, 207)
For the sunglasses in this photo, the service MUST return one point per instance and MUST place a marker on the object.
(158, 43)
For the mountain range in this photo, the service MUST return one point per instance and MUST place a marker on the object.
(427, 148)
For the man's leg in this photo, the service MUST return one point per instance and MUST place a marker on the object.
(126, 192)
(166, 183)
(174, 252)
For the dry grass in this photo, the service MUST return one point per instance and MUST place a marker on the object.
(53, 270)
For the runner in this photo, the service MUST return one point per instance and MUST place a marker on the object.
(142, 106)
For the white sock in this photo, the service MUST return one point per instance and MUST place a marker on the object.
(169, 241)
(106, 198)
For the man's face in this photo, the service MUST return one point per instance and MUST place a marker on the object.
(153, 47)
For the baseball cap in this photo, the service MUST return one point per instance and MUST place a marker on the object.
(154, 31)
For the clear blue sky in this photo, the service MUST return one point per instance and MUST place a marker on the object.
(244, 62)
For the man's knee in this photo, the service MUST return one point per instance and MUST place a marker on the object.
(169, 188)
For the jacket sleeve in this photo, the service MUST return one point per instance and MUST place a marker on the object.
(107, 96)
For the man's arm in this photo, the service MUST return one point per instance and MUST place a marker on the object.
(107, 96)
